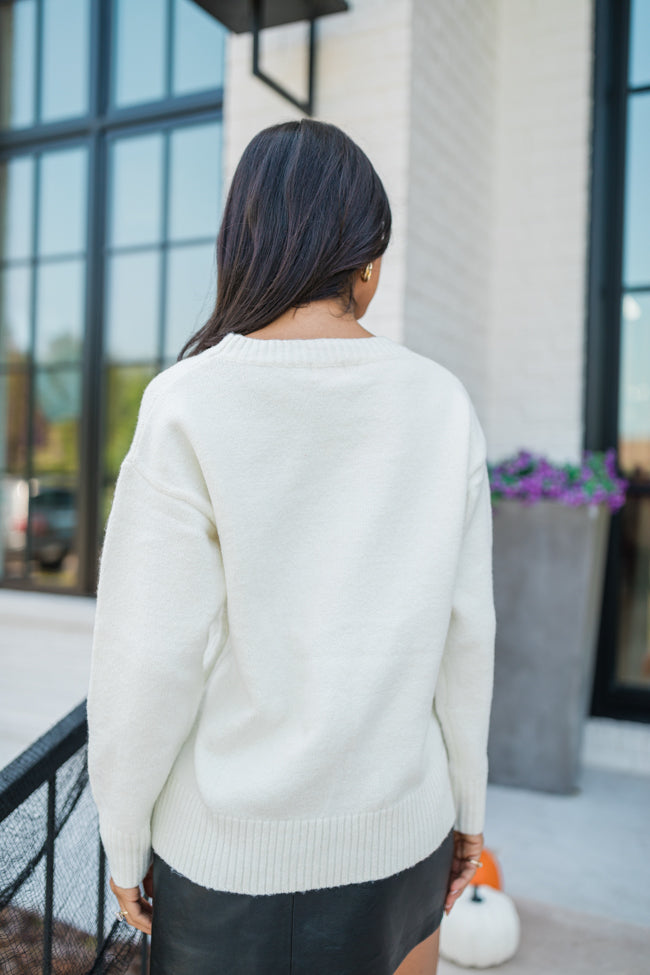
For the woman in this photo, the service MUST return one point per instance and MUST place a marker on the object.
(293, 647)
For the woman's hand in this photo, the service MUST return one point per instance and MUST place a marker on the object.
(466, 845)
(138, 910)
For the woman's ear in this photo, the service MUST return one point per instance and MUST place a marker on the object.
(363, 291)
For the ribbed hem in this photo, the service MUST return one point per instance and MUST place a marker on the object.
(129, 854)
(283, 856)
(305, 352)
(470, 798)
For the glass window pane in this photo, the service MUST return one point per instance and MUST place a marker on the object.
(14, 494)
(634, 594)
(195, 194)
(124, 387)
(191, 294)
(105, 504)
(53, 532)
(18, 60)
(198, 49)
(62, 223)
(16, 207)
(634, 405)
(57, 407)
(14, 314)
(14, 386)
(136, 197)
(640, 43)
(637, 193)
(53, 501)
(14, 504)
(139, 51)
(65, 59)
(133, 307)
(60, 311)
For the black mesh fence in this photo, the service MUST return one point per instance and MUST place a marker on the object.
(57, 911)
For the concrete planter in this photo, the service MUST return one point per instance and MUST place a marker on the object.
(549, 562)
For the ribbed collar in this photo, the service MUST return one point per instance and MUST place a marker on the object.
(317, 351)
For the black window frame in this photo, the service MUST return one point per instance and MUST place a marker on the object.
(95, 130)
(605, 290)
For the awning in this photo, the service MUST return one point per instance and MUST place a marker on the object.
(242, 16)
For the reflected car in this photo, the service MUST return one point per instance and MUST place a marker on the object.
(53, 516)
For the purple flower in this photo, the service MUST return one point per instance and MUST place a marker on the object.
(530, 477)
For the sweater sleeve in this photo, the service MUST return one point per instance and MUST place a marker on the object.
(160, 602)
(463, 694)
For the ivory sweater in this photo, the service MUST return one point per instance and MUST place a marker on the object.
(292, 657)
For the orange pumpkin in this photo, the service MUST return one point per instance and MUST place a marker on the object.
(490, 872)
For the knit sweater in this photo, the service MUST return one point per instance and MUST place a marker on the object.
(293, 649)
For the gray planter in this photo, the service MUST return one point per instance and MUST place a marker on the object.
(549, 562)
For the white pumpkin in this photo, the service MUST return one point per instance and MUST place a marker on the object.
(482, 929)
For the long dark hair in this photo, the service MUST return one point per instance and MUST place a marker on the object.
(305, 211)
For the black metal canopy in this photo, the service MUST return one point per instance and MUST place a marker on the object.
(242, 16)
(239, 15)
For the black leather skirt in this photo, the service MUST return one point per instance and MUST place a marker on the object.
(353, 929)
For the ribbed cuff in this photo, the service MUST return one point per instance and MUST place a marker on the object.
(470, 799)
(129, 855)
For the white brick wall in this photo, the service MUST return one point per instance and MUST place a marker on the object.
(537, 329)
(450, 184)
(476, 114)
(362, 85)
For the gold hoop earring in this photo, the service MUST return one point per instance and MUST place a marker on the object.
(366, 273)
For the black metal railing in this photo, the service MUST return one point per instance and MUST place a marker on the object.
(50, 848)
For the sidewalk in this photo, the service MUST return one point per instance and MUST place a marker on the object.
(576, 866)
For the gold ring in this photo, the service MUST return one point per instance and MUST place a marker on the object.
(122, 915)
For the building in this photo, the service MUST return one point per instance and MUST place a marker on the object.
(513, 137)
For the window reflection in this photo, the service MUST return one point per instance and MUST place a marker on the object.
(65, 59)
(195, 194)
(18, 60)
(14, 386)
(191, 293)
(16, 201)
(53, 524)
(53, 504)
(633, 651)
(634, 403)
(56, 420)
(139, 68)
(136, 190)
(639, 73)
(198, 49)
(40, 529)
(133, 307)
(62, 223)
(123, 389)
(157, 224)
(60, 311)
(39, 514)
(637, 193)
(15, 506)
(14, 314)
(142, 72)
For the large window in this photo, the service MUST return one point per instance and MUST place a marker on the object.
(618, 396)
(110, 198)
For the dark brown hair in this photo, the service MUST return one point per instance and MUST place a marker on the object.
(305, 211)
